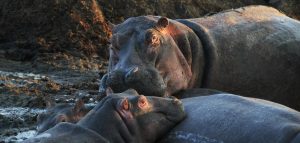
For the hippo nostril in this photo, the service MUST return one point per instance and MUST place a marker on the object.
(132, 71)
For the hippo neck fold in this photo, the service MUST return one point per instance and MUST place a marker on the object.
(191, 48)
(204, 52)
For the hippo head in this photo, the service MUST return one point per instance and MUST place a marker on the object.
(130, 117)
(146, 54)
(60, 113)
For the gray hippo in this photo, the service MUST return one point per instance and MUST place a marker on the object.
(251, 51)
(227, 118)
(56, 113)
(119, 118)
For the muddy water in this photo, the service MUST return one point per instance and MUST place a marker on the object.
(23, 95)
(18, 123)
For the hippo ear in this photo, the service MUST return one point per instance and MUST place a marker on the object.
(163, 22)
(78, 105)
(109, 91)
(49, 103)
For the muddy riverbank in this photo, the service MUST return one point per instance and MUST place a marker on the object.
(23, 92)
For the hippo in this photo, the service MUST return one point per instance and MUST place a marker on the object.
(56, 113)
(228, 118)
(73, 113)
(251, 51)
(125, 117)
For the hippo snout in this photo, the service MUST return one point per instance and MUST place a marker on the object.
(145, 81)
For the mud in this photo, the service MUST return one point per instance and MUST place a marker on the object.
(23, 91)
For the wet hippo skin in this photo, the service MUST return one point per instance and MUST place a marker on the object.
(56, 113)
(119, 118)
(251, 51)
(227, 118)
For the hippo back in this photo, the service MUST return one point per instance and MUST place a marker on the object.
(227, 118)
(251, 51)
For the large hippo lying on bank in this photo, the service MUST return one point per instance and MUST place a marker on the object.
(252, 51)
(227, 118)
(119, 118)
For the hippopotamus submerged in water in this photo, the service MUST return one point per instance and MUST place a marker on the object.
(56, 113)
(251, 51)
(227, 118)
(119, 118)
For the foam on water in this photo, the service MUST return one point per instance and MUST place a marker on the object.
(21, 136)
(19, 111)
(22, 75)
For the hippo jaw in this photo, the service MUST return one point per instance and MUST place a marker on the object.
(129, 117)
(154, 116)
(150, 116)
(167, 113)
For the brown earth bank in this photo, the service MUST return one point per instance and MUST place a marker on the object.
(117, 11)
(64, 34)
(57, 49)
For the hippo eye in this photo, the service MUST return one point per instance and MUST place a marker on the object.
(152, 39)
(142, 103)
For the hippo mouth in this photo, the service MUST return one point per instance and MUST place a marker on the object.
(146, 81)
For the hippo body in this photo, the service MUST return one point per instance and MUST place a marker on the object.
(227, 118)
(119, 118)
(251, 51)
